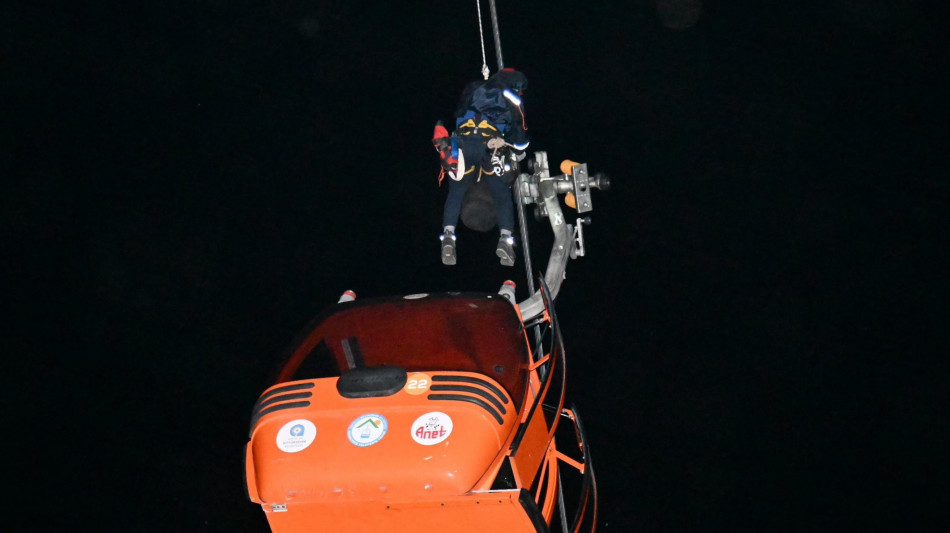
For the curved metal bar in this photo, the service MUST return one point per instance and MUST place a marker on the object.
(589, 483)
(546, 197)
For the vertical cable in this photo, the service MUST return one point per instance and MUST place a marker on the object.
(497, 33)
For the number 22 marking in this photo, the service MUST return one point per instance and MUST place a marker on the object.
(418, 384)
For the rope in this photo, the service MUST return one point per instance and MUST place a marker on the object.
(481, 38)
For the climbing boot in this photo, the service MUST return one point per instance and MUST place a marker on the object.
(506, 250)
(448, 248)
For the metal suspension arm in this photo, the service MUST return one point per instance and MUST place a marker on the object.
(542, 189)
(497, 34)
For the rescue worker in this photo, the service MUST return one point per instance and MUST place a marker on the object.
(489, 140)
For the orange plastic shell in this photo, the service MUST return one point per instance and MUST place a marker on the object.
(439, 453)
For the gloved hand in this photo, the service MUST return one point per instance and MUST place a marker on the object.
(440, 137)
(495, 143)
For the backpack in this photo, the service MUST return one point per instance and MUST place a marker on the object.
(486, 98)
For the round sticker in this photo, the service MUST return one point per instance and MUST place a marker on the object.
(366, 430)
(296, 435)
(418, 383)
(431, 428)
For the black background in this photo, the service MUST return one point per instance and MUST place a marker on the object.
(755, 337)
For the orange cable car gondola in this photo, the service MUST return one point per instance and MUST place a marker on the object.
(428, 411)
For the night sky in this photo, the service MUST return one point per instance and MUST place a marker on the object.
(756, 337)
